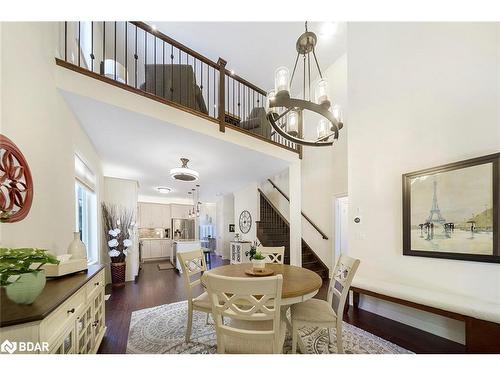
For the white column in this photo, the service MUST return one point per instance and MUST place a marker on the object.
(295, 189)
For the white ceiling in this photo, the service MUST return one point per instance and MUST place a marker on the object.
(255, 49)
(137, 147)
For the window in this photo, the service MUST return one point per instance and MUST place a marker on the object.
(86, 209)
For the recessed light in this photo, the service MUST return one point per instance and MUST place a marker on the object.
(232, 72)
(153, 27)
(163, 189)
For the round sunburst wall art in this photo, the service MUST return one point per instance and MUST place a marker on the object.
(16, 183)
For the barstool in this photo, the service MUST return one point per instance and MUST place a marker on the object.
(208, 259)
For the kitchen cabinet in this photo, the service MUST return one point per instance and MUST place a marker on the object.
(156, 248)
(152, 215)
(180, 211)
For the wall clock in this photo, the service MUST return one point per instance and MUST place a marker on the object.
(245, 222)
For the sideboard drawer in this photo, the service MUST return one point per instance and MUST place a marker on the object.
(65, 315)
(95, 284)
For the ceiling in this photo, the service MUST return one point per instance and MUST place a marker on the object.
(255, 49)
(137, 147)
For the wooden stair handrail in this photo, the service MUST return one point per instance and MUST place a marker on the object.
(303, 242)
(325, 237)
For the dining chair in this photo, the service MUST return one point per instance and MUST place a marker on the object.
(246, 312)
(327, 314)
(192, 265)
(273, 254)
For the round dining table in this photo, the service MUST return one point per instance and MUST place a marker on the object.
(299, 284)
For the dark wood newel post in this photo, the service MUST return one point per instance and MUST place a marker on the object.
(222, 94)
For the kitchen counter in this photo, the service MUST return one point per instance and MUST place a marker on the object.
(56, 291)
(154, 239)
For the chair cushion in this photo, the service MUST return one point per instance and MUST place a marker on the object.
(241, 345)
(202, 301)
(313, 310)
(441, 299)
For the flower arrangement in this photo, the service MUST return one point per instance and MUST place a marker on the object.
(258, 256)
(253, 250)
(15, 262)
(118, 224)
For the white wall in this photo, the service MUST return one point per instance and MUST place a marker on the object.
(122, 193)
(420, 95)
(36, 118)
(225, 216)
(247, 199)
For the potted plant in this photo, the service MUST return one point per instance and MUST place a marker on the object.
(118, 225)
(253, 249)
(258, 261)
(20, 273)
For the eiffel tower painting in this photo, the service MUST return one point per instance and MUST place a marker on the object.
(435, 213)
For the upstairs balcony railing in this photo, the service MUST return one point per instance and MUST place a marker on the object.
(136, 57)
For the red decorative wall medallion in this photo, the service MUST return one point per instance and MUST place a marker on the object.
(16, 184)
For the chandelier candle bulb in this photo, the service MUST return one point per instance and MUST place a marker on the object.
(271, 95)
(322, 128)
(337, 113)
(281, 80)
(322, 92)
(292, 123)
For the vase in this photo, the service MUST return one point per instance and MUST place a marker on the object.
(258, 264)
(77, 248)
(118, 273)
(26, 288)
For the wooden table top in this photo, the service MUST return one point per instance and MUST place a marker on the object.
(297, 281)
(56, 291)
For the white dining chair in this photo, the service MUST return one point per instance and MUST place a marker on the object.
(246, 312)
(273, 254)
(193, 265)
(327, 314)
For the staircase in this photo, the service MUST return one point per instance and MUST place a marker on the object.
(273, 230)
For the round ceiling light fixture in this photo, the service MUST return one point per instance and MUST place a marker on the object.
(184, 173)
(163, 189)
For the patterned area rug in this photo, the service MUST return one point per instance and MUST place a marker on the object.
(162, 329)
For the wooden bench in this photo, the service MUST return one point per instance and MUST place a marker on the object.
(481, 336)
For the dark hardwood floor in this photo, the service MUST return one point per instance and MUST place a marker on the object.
(156, 287)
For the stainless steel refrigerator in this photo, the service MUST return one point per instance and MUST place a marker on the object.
(183, 229)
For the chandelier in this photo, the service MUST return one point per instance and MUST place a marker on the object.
(286, 114)
(184, 173)
(195, 210)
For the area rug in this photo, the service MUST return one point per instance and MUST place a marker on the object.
(165, 266)
(162, 329)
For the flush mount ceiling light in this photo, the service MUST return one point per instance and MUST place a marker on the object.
(286, 114)
(184, 173)
(163, 189)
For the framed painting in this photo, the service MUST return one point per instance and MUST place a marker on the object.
(452, 211)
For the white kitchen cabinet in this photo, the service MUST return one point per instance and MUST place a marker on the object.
(180, 211)
(166, 215)
(146, 249)
(157, 248)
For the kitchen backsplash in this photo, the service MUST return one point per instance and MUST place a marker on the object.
(151, 233)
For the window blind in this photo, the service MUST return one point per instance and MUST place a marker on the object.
(84, 174)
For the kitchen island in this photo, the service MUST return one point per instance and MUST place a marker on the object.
(183, 246)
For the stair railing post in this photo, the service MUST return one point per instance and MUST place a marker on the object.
(222, 94)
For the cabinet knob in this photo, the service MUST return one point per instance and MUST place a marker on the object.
(97, 283)
(71, 311)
